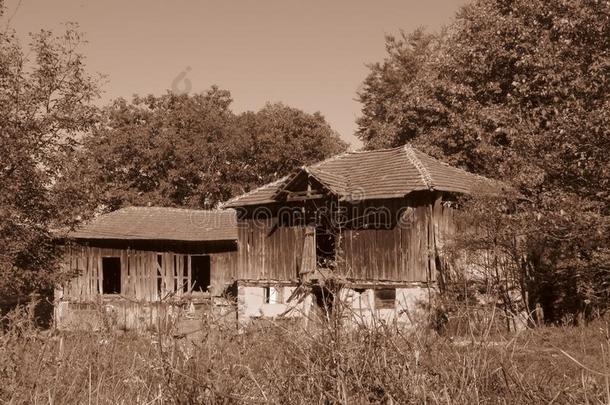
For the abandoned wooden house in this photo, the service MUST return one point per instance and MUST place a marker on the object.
(363, 229)
(371, 223)
(137, 266)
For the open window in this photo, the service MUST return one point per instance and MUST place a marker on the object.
(200, 273)
(111, 273)
(273, 295)
(385, 298)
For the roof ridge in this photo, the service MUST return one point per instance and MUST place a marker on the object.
(355, 152)
(419, 165)
(400, 169)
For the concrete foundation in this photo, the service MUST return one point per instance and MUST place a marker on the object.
(356, 305)
(408, 307)
(253, 302)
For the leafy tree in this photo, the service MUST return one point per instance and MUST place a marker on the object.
(516, 90)
(168, 150)
(191, 151)
(279, 138)
(393, 91)
(45, 102)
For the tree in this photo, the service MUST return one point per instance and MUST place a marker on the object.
(167, 150)
(45, 103)
(279, 138)
(516, 90)
(190, 151)
(396, 85)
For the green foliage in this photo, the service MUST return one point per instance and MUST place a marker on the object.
(190, 150)
(518, 91)
(45, 101)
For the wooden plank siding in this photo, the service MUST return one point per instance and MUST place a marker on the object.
(404, 252)
(399, 243)
(142, 277)
(268, 251)
(224, 271)
(395, 240)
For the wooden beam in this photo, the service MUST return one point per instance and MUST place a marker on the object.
(302, 197)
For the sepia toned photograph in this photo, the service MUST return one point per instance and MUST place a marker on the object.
(289, 202)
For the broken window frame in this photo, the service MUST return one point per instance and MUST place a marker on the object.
(187, 276)
(273, 295)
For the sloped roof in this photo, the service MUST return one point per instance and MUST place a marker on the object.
(335, 182)
(159, 223)
(384, 173)
(260, 195)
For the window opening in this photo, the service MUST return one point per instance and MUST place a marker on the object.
(200, 273)
(273, 295)
(111, 273)
(385, 298)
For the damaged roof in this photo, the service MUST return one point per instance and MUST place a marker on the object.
(160, 223)
(377, 174)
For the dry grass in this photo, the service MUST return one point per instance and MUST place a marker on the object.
(273, 363)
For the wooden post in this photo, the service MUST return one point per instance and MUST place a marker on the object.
(308, 258)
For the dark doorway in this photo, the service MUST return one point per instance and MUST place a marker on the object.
(111, 272)
(325, 247)
(200, 273)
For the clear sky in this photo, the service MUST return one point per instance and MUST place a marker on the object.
(308, 54)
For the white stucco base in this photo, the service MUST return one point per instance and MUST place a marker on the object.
(357, 306)
(251, 304)
(409, 306)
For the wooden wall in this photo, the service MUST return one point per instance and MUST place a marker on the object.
(405, 249)
(142, 277)
(405, 252)
(269, 252)
(224, 270)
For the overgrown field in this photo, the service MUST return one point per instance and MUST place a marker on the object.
(276, 363)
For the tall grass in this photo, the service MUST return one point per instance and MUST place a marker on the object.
(274, 362)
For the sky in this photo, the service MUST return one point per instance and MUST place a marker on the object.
(311, 55)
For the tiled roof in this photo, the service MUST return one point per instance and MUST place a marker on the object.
(157, 223)
(260, 195)
(335, 182)
(385, 173)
